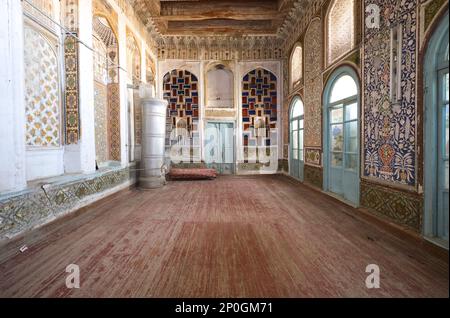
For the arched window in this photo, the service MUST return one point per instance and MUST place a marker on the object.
(344, 87)
(340, 29)
(296, 128)
(296, 66)
(341, 135)
(297, 109)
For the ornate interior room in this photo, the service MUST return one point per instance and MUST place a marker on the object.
(219, 148)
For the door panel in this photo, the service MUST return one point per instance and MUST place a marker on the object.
(343, 149)
(297, 145)
(443, 157)
(219, 147)
(301, 155)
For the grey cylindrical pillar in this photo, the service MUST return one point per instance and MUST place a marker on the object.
(153, 143)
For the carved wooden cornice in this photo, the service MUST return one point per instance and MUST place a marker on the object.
(297, 14)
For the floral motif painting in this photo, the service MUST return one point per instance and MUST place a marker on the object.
(390, 128)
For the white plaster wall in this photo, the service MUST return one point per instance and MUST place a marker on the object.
(12, 104)
(123, 81)
(44, 163)
(80, 158)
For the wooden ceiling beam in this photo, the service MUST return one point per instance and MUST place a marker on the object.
(202, 10)
(214, 26)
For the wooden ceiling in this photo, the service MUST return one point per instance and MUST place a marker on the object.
(215, 17)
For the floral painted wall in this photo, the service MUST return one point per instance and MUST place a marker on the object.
(390, 128)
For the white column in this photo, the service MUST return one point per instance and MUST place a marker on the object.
(81, 157)
(124, 140)
(12, 103)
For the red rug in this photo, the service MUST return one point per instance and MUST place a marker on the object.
(192, 174)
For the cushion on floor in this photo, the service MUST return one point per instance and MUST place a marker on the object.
(192, 174)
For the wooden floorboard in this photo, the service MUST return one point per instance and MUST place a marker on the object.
(237, 236)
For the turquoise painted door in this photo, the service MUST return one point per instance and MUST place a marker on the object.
(343, 140)
(219, 147)
(436, 135)
(443, 156)
(296, 165)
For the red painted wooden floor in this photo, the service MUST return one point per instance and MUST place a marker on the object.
(262, 236)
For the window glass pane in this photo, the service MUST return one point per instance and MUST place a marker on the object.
(295, 125)
(447, 54)
(301, 124)
(336, 114)
(351, 112)
(446, 93)
(351, 137)
(301, 155)
(295, 154)
(344, 87)
(351, 162)
(446, 116)
(337, 138)
(295, 139)
(336, 159)
(301, 139)
(297, 109)
(446, 175)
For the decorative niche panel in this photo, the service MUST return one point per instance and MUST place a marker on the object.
(180, 88)
(219, 87)
(313, 86)
(181, 91)
(296, 66)
(340, 29)
(42, 88)
(259, 110)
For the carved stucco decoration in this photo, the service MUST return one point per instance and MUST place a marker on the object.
(219, 47)
(313, 84)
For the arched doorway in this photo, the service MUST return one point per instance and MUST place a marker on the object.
(296, 133)
(436, 134)
(341, 135)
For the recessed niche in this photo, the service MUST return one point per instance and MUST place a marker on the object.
(219, 87)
